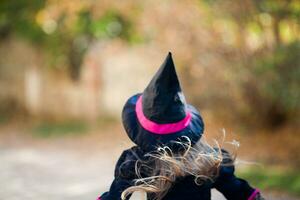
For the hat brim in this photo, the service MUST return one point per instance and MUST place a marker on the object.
(150, 141)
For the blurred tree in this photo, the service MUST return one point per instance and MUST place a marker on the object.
(256, 40)
(267, 55)
(273, 89)
(63, 29)
(19, 17)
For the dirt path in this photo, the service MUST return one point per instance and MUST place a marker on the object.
(60, 169)
(29, 174)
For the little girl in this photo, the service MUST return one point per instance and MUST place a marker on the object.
(170, 161)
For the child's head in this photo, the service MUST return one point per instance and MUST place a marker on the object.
(160, 114)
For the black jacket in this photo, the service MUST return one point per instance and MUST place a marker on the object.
(185, 188)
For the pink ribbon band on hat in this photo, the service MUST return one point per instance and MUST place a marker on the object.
(156, 128)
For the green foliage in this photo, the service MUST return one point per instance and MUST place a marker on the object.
(111, 25)
(272, 179)
(273, 91)
(281, 9)
(3, 119)
(65, 44)
(51, 129)
(267, 59)
(19, 17)
(279, 74)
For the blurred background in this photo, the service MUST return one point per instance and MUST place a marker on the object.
(67, 68)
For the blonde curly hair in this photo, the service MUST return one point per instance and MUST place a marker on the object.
(200, 160)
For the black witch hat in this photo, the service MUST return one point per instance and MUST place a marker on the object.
(160, 115)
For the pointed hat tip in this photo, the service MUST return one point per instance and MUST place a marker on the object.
(169, 58)
(168, 63)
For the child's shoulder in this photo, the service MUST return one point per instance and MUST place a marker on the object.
(127, 161)
(226, 168)
(132, 154)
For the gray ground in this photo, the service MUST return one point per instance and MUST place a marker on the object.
(76, 171)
